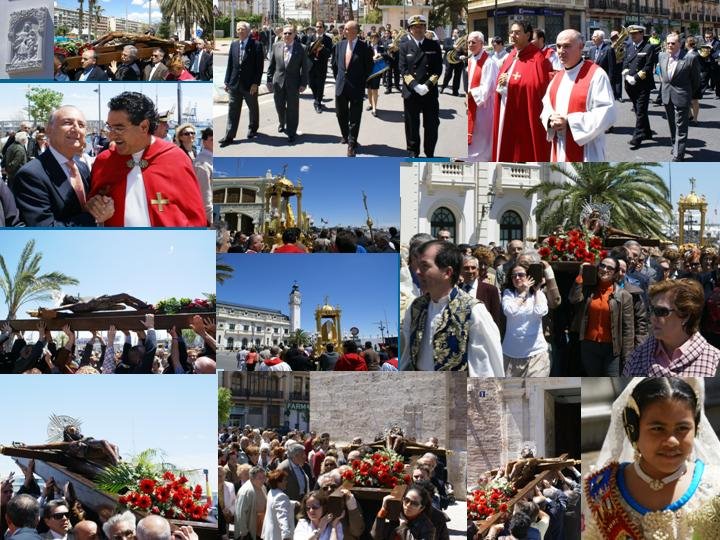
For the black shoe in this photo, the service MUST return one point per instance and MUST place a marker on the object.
(634, 145)
(317, 108)
(374, 113)
(291, 139)
(456, 94)
(388, 91)
(252, 134)
(610, 129)
(442, 89)
(225, 142)
(368, 108)
(351, 150)
(281, 129)
(343, 140)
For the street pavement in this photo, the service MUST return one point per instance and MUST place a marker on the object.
(457, 526)
(226, 360)
(703, 143)
(319, 134)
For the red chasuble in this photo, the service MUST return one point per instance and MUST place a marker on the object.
(171, 187)
(578, 103)
(472, 106)
(524, 138)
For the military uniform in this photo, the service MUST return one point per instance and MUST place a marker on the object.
(420, 65)
(639, 65)
(318, 71)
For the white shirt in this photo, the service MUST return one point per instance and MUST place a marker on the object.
(62, 160)
(499, 58)
(524, 333)
(588, 128)
(484, 353)
(152, 71)
(136, 204)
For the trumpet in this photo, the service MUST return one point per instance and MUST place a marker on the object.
(459, 49)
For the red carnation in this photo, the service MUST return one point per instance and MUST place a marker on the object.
(155, 510)
(356, 463)
(347, 475)
(544, 252)
(504, 507)
(407, 479)
(144, 502)
(596, 242)
(147, 485)
(198, 513)
(169, 513)
(551, 240)
(182, 480)
(167, 475)
(398, 467)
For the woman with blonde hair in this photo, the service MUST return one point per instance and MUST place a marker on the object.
(185, 139)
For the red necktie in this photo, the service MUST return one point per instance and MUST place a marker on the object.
(76, 182)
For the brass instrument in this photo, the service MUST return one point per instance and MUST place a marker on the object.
(337, 38)
(315, 48)
(619, 45)
(705, 51)
(395, 45)
(459, 49)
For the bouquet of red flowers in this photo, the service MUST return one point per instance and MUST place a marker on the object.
(490, 499)
(572, 245)
(383, 469)
(169, 497)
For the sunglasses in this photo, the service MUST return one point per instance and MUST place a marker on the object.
(287, 33)
(602, 266)
(519, 275)
(330, 487)
(411, 502)
(188, 133)
(313, 506)
(60, 515)
(660, 311)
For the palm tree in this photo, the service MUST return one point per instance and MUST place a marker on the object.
(639, 198)
(80, 17)
(28, 284)
(300, 338)
(451, 11)
(223, 272)
(189, 12)
(98, 9)
(91, 7)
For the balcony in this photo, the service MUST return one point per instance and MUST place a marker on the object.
(515, 176)
(247, 393)
(299, 396)
(448, 175)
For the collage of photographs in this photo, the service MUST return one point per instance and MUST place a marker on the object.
(509, 201)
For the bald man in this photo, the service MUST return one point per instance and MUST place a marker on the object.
(482, 75)
(578, 106)
(86, 530)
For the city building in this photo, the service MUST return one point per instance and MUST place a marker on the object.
(295, 10)
(240, 201)
(70, 19)
(276, 400)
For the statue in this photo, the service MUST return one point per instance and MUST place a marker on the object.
(25, 44)
(112, 302)
(595, 218)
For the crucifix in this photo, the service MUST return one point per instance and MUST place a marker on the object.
(160, 202)
(692, 185)
(369, 219)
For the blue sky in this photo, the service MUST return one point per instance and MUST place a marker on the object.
(136, 10)
(365, 286)
(84, 97)
(333, 187)
(707, 184)
(175, 414)
(148, 264)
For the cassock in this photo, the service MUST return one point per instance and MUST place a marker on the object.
(518, 134)
(583, 94)
(155, 187)
(482, 74)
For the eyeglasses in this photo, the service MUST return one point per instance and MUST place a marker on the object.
(603, 266)
(287, 33)
(665, 268)
(187, 133)
(59, 515)
(116, 129)
(411, 502)
(313, 506)
(330, 487)
(124, 534)
(660, 311)
(519, 275)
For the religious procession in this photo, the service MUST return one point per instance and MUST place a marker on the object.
(585, 297)
(308, 75)
(534, 100)
(301, 479)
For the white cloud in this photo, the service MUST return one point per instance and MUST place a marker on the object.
(137, 2)
(142, 16)
(305, 168)
(220, 174)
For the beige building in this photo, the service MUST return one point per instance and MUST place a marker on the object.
(70, 19)
(504, 415)
(424, 405)
(279, 400)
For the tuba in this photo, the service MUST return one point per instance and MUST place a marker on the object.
(459, 49)
(619, 45)
(314, 49)
(395, 45)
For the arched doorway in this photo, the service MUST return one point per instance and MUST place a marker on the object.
(511, 227)
(230, 343)
(443, 218)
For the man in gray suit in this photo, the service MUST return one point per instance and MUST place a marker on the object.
(287, 77)
(298, 482)
(680, 76)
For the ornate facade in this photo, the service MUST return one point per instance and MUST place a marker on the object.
(240, 325)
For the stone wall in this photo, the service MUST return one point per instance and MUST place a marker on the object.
(349, 405)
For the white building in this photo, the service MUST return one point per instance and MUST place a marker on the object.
(478, 203)
(296, 10)
(239, 325)
(239, 201)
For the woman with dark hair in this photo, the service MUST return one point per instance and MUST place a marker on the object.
(525, 351)
(604, 320)
(656, 475)
(315, 523)
(279, 521)
(676, 346)
(414, 521)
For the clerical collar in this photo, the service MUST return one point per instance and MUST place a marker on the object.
(580, 63)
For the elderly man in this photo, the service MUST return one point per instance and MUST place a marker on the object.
(242, 80)
(143, 181)
(250, 502)
(638, 69)
(602, 53)
(680, 77)
(578, 106)
(90, 70)
(56, 516)
(298, 482)
(287, 78)
(52, 190)
(128, 70)
(156, 70)
(482, 73)
(200, 61)
(86, 530)
(485, 292)
(120, 526)
(446, 329)
(22, 514)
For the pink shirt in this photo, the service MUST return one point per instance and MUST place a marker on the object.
(661, 356)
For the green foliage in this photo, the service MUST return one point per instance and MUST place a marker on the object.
(189, 336)
(168, 306)
(126, 474)
(447, 12)
(163, 30)
(188, 12)
(61, 30)
(300, 338)
(223, 272)
(224, 405)
(374, 16)
(223, 23)
(41, 102)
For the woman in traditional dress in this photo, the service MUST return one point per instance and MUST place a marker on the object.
(659, 466)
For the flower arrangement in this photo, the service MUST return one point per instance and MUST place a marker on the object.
(572, 245)
(71, 48)
(491, 499)
(384, 469)
(167, 496)
(170, 306)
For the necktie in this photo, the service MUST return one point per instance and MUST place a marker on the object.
(76, 182)
(287, 54)
(597, 54)
(672, 63)
(242, 51)
(348, 54)
(196, 63)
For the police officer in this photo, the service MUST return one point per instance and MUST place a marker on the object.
(420, 63)
(638, 68)
(319, 55)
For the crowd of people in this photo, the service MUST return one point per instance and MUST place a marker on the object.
(59, 354)
(293, 240)
(129, 174)
(542, 103)
(164, 64)
(505, 312)
(279, 487)
(412, 60)
(383, 357)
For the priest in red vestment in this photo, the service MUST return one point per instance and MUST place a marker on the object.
(143, 181)
(518, 134)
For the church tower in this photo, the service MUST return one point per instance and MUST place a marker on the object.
(294, 305)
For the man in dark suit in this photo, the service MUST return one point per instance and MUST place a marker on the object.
(352, 64)
(453, 71)
(602, 53)
(298, 481)
(50, 191)
(287, 77)
(714, 44)
(680, 77)
(90, 70)
(638, 69)
(420, 67)
(201, 61)
(156, 70)
(319, 59)
(242, 79)
(128, 70)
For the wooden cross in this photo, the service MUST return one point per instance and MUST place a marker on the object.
(159, 201)
(516, 76)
